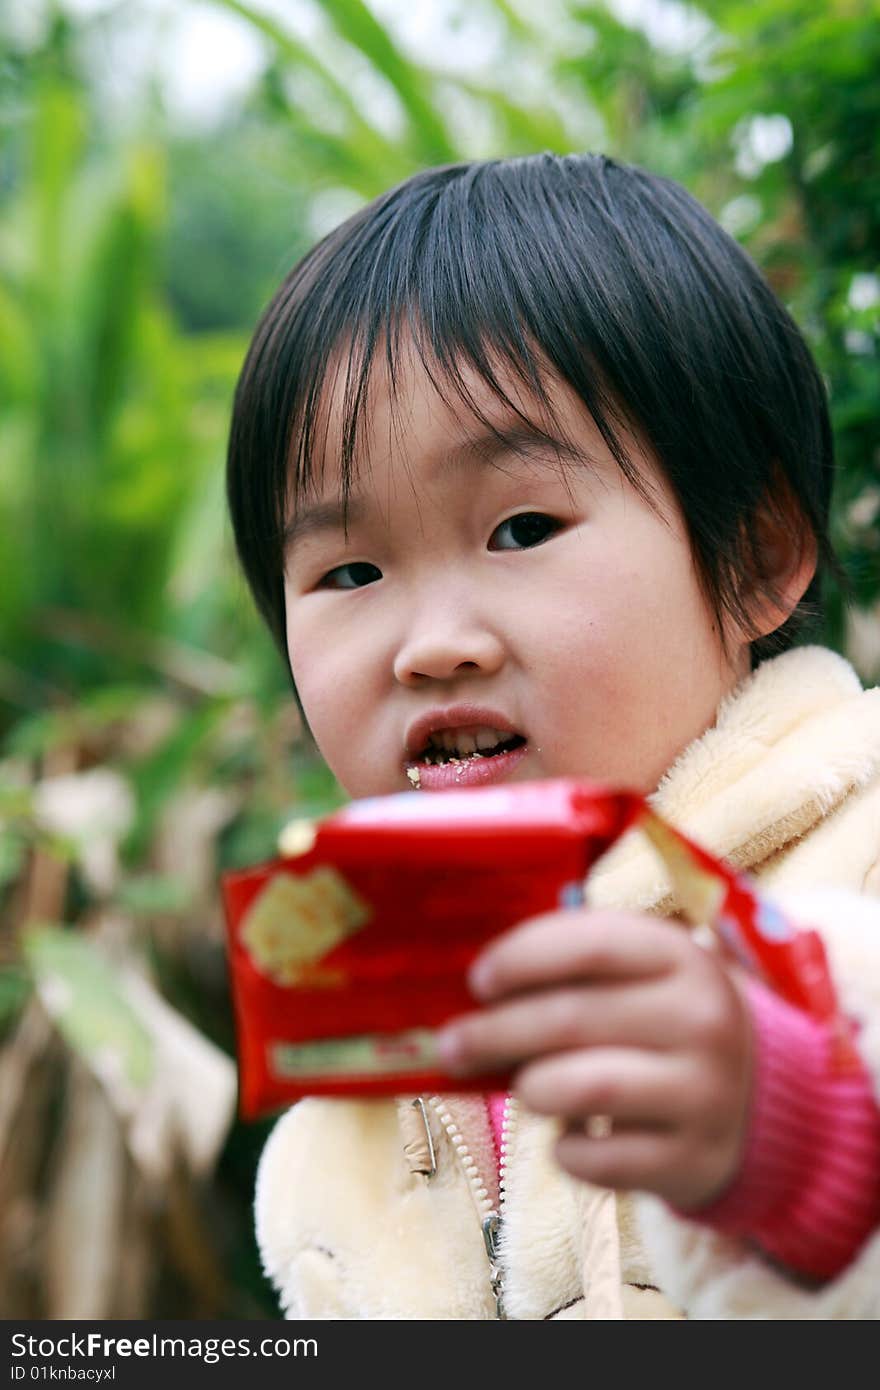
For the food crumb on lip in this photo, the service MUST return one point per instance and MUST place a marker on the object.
(415, 777)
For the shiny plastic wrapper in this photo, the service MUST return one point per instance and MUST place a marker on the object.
(350, 951)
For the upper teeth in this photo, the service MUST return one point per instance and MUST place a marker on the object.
(467, 740)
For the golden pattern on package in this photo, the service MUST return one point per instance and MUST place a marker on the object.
(297, 920)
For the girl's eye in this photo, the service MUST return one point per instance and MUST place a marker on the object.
(352, 576)
(525, 530)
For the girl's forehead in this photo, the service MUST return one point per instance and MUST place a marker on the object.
(412, 391)
(421, 415)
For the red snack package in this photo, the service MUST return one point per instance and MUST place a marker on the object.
(346, 958)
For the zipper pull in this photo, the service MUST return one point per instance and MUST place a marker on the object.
(491, 1229)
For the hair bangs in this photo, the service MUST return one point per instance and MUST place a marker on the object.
(428, 277)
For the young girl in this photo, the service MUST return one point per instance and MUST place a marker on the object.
(528, 467)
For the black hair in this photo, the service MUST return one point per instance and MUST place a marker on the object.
(613, 279)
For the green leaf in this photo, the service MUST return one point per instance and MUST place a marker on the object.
(86, 998)
(59, 133)
(359, 26)
(169, 768)
(526, 128)
(12, 852)
(154, 894)
(298, 55)
(114, 284)
(15, 986)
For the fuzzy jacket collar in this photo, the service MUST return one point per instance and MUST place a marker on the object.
(788, 745)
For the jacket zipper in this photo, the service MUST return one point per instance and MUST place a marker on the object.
(490, 1217)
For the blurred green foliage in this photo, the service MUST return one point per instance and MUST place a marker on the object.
(133, 264)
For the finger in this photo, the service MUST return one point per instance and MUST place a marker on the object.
(558, 1020)
(640, 1159)
(575, 945)
(631, 1086)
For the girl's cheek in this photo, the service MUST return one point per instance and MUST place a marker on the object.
(333, 680)
(324, 691)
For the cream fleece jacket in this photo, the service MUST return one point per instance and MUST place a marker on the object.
(786, 785)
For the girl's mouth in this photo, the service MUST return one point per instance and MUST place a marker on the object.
(457, 760)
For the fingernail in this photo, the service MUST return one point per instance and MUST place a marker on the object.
(479, 979)
(449, 1048)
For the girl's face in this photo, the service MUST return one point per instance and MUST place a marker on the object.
(497, 592)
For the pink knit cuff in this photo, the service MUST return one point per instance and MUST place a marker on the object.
(808, 1188)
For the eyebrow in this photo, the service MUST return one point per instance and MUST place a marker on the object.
(484, 448)
(321, 516)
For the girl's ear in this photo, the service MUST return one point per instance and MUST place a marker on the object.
(785, 555)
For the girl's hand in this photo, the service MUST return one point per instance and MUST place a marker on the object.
(623, 1016)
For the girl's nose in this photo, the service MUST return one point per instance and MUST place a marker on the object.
(440, 650)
